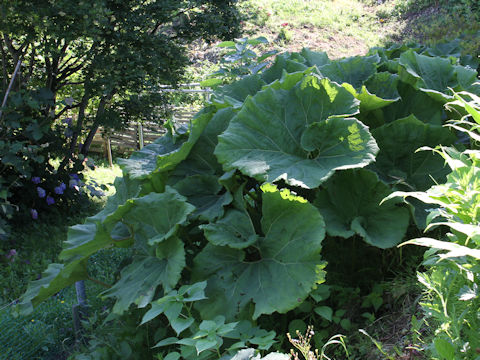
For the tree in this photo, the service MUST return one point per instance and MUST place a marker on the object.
(103, 60)
(86, 64)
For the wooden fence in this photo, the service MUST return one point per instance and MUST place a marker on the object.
(136, 135)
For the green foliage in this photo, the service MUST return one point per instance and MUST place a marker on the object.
(86, 65)
(30, 185)
(104, 46)
(240, 60)
(233, 211)
(453, 277)
(465, 7)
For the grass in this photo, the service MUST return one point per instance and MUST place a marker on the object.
(48, 332)
(347, 27)
(351, 27)
(342, 28)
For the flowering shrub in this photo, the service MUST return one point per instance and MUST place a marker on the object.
(29, 184)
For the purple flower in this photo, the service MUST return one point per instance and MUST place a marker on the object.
(11, 255)
(41, 192)
(36, 180)
(74, 176)
(63, 186)
(34, 214)
(58, 190)
(67, 121)
(50, 200)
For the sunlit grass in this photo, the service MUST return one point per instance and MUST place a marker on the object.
(333, 22)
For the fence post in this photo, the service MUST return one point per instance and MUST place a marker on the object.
(109, 152)
(207, 94)
(79, 310)
(140, 136)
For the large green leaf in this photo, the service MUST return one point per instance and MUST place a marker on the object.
(235, 94)
(350, 202)
(289, 80)
(154, 217)
(285, 256)
(427, 73)
(398, 161)
(206, 194)
(285, 62)
(201, 160)
(354, 70)
(378, 91)
(140, 279)
(54, 279)
(125, 188)
(235, 230)
(287, 134)
(435, 76)
(166, 152)
(84, 240)
(415, 102)
(314, 58)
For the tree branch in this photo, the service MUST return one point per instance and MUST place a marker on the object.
(105, 285)
(66, 108)
(30, 65)
(4, 66)
(12, 80)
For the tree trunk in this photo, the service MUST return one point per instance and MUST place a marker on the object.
(100, 111)
(78, 127)
(4, 67)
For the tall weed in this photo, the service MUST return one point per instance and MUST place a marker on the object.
(452, 279)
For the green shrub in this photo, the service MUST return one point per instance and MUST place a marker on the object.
(31, 186)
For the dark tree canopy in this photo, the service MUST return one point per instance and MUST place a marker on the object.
(105, 57)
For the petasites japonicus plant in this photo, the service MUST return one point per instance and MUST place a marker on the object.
(241, 200)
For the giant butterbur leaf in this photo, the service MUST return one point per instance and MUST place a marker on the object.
(349, 202)
(154, 217)
(398, 161)
(235, 230)
(201, 160)
(378, 91)
(412, 102)
(125, 188)
(140, 279)
(313, 58)
(286, 255)
(425, 72)
(284, 134)
(235, 94)
(285, 62)
(435, 76)
(354, 70)
(84, 240)
(206, 194)
(166, 152)
(54, 279)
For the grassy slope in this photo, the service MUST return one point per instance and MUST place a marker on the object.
(342, 27)
(350, 27)
(346, 27)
